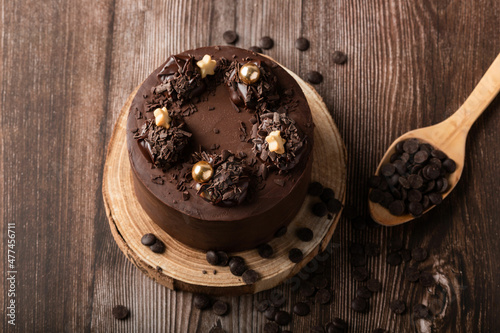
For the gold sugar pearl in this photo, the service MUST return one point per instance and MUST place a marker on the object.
(202, 172)
(249, 73)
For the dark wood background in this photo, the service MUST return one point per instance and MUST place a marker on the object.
(68, 66)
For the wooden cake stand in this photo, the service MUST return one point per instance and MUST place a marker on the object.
(181, 267)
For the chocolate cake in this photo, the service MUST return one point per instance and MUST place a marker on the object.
(220, 144)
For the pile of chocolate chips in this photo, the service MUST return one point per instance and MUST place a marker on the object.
(414, 180)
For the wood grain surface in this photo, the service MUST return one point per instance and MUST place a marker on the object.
(67, 67)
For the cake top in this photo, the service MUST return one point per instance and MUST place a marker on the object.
(218, 127)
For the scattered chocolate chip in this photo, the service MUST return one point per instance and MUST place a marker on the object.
(201, 302)
(271, 327)
(277, 299)
(282, 318)
(339, 57)
(223, 258)
(426, 279)
(216, 131)
(295, 255)
(323, 296)
(204, 272)
(266, 42)
(320, 282)
(120, 312)
(359, 304)
(358, 260)
(398, 306)
(270, 312)
(230, 37)
(317, 329)
(405, 255)
(419, 254)
(301, 309)
(374, 285)
(302, 44)
(307, 289)
(263, 305)
(327, 194)
(148, 239)
(333, 206)
(360, 274)
(237, 266)
(337, 325)
(420, 311)
(395, 244)
(255, 49)
(158, 247)
(212, 258)
(250, 276)
(315, 189)
(314, 77)
(304, 234)
(220, 308)
(319, 209)
(280, 232)
(363, 292)
(394, 259)
(265, 251)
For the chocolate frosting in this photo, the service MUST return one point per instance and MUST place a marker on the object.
(218, 122)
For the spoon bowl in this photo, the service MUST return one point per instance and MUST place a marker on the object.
(448, 136)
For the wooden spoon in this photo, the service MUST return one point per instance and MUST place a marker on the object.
(449, 136)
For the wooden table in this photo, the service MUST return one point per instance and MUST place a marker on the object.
(68, 66)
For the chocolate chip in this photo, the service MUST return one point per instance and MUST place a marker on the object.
(263, 305)
(270, 312)
(333, 206)
(301, 309)
(315, 189)
(323, 296)
(255, 49)
(376, 195)
(363, 292)
(212, 258)
(405, 255)
(158, 247)
(282, 318)
(327, 194)
(295, 255)
(320, 282)
(223, 258)
(302, 44)
(337, 325)
(216, 130)
(280, 232)
(449, 165)
(415, 208)
(201, 302)
(420, 311)
(314, 77)
(411, 146)
(304, 234)
(426, 279)
(319, 209)
(397, 306)
(419, 254)
(359, 304)
(339, 57)
(120, 312)
(271, 327)
(360, 274)
(435, 198)
(374, 285)
(266, 42)
(148, 239)
(220, 308)
(414, 195)
(394, 259)
(397, 207)
(387, 170)
(230, 37)
(438, 154)
(395, 244)
(237, 266)
(250, 276)
(277, 299)
(421, 156)
(265, 251)
(307, 289)
(412, 274)
(372, 249)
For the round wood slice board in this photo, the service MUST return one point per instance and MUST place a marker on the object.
(181, 267)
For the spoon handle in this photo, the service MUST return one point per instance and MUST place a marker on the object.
(482, 95)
